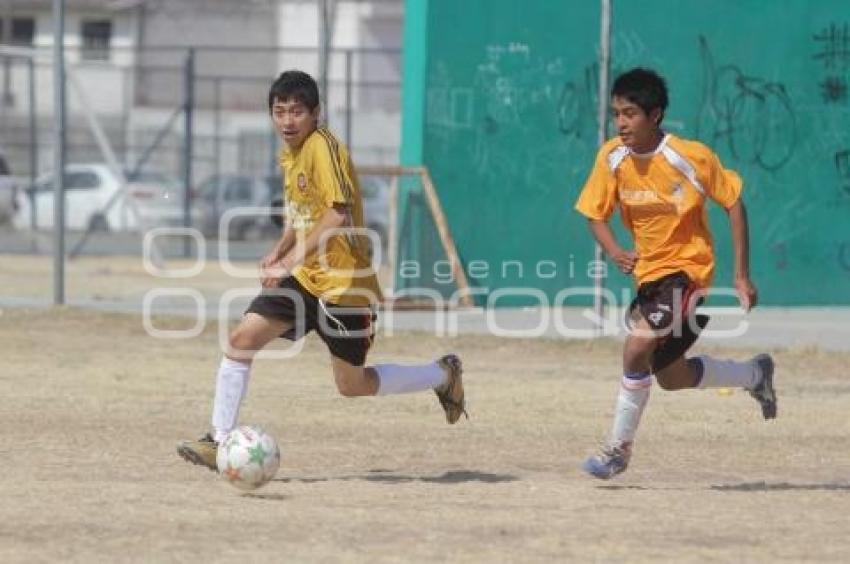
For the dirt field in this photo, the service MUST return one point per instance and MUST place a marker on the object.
(93, 408)
(121, 278)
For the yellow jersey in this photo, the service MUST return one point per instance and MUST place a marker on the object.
(318, 176)
(662, 201)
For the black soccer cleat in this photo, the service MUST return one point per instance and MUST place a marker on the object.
(763, 392)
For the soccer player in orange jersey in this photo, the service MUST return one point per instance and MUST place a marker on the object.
(318, 277)
(661, 184)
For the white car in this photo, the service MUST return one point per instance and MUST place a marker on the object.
(88, 190)
(159, 199)
(8, 192)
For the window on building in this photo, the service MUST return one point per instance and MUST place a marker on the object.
(97, 37)
(23, 31)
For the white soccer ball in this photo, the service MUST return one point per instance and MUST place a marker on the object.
(248, 458)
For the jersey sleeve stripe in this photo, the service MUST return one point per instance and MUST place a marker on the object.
(682, 165)
(616, 157)
(337, 163)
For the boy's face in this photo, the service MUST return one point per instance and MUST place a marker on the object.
(294, 121)
(636, 129)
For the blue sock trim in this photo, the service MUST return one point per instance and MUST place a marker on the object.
(636, 375)
(698, 367)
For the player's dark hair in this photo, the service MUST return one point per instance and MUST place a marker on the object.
(642, 87)
(295, 85)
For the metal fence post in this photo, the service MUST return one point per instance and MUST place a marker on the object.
(8, 97)
(348, 101)
(325, 40)
(59, 152)
(217, 125)
(273, 152)
(33, 142)
(602, 121)
(187, 146)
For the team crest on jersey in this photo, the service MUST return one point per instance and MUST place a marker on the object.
(302, 182)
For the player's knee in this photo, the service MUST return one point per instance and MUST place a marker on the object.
(671, 381)
(348, 387)
(665, 383)
(242, 343)
(637, 356)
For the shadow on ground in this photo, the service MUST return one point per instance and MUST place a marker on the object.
(387, 476)
(781, 487)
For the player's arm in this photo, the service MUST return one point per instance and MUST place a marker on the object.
(270, 271)
(747, 293)
(596, 202)
(626, 260)
(283, 245)
(725, 187)
(334, 218)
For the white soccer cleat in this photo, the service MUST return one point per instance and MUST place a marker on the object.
(612, 459)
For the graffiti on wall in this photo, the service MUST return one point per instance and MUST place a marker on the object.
(832, 46)
(750, 116)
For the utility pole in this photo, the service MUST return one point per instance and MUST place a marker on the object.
(327, 21)
(188, 150)
(59, 123)
(6, 32)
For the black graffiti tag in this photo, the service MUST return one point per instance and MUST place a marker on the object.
(844, 256)
(576, 105)
(835, 44)
(842, 166)
(780, 251)
(834, 90)
(753, 117)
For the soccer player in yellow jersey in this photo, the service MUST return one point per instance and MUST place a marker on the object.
(318, 277)
(661, 184)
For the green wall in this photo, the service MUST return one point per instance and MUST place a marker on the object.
(506, 95)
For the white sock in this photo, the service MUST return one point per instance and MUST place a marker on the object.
(634, 393)
(397, 379)
(230, 388)
(726, 373)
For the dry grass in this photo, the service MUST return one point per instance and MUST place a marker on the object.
(93, 407)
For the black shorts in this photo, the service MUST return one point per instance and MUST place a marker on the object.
(348, 331)
(666, 304)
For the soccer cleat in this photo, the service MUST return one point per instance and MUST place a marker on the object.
(450, 393)
(202, 452)
(612, 459)
(764, 392)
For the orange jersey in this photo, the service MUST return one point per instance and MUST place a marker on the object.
(662, 197)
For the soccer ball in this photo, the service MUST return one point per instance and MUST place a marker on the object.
(248, 458)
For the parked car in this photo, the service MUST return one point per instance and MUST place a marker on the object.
(223, 193)
(376, 205)
(159, 198)
(8, 192)
(88, 190)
